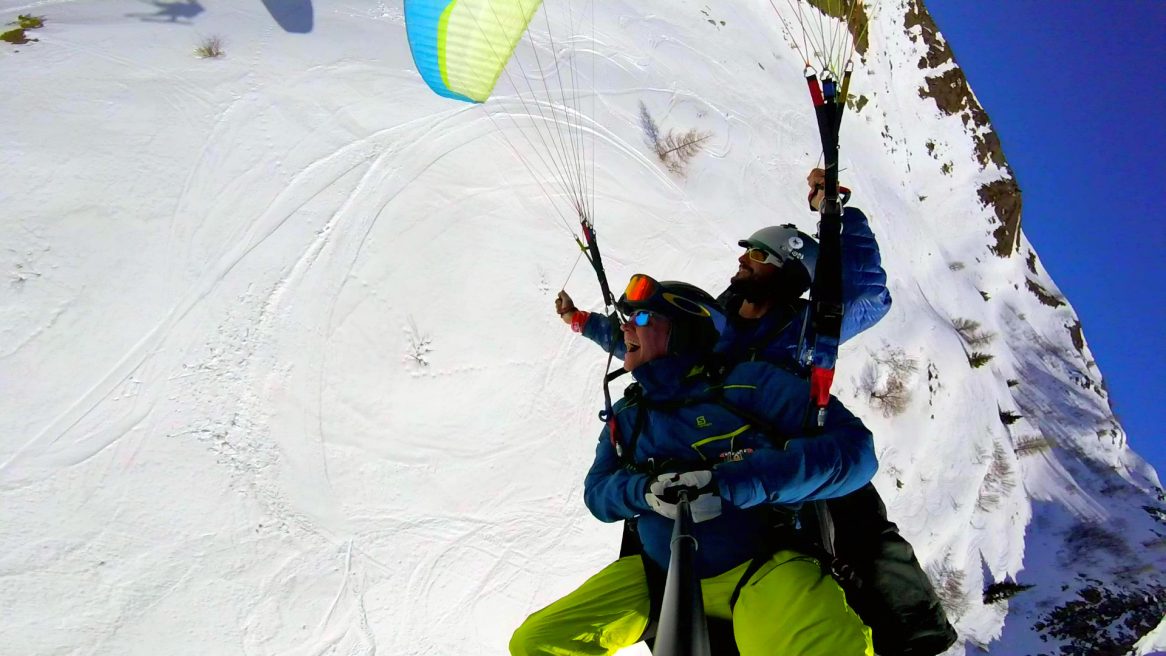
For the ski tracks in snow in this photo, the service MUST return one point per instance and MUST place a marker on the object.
(237, 365)
(230, 362)
(269, 350)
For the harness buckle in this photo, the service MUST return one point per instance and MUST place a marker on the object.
(735, 456)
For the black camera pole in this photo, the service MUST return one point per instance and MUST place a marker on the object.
(683, 630)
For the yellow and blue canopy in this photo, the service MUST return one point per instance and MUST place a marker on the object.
(461, 46)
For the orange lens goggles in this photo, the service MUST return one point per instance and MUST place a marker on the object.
(762, 257)
(640, 288)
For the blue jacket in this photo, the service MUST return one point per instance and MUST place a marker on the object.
(777, 336)
(834, 463)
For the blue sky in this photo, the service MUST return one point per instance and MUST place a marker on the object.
(1075, 90)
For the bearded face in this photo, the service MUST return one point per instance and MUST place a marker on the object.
(759, 282)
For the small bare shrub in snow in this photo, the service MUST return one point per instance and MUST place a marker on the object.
(949, 586)
(886, 381)
(210, 48)
(677, 149)
(21, 275)
(981, 454)
(544, 283)
(673, 149)
(998, 480)
(978, 359)
(419, 345)
(648, 125)
(980, 339)
(964, 325)
(1026, 446)
(892, 398)
(889, 470)
(970, 332)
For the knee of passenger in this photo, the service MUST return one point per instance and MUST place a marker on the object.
(520, 643)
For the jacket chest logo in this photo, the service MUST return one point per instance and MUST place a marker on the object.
(702, 422)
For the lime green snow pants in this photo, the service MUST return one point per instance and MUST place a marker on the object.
(788, 608)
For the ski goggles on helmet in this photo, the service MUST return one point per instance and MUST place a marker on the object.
(781, 245)
(645, 293)
(640, 289)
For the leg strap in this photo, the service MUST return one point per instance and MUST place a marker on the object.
(754, 566)
(657, 578)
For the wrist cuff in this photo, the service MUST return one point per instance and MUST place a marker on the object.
(578, 320)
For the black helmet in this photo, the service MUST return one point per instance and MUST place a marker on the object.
(694, 313)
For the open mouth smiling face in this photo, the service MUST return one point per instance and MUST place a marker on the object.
(645, 343)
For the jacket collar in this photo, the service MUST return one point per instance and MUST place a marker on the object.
(667, 377)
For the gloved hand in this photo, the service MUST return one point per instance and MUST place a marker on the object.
(817, 181)
(565, 307)
(663, 494)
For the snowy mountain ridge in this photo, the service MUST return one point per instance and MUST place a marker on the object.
(281, 373)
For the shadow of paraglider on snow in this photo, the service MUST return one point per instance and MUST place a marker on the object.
(292, 15)
(172, 12)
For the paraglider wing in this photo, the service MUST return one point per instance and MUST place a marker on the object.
(461, 46)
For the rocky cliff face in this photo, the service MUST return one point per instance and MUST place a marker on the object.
(1094, 547)
(947, 85)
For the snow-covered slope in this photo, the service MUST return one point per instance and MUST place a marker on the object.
(280, 371)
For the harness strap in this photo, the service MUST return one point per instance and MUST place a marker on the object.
(637, 429)
(825, 526)
(657, 579)
(634, 394)
(754, 567)
(784, 536)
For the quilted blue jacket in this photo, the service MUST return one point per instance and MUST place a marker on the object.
(835, 462)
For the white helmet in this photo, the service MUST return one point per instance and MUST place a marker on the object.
(785, 243)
